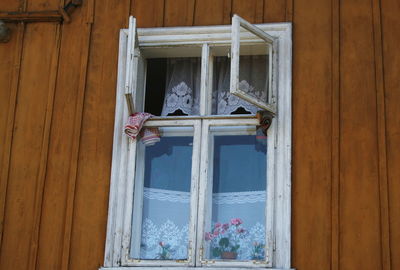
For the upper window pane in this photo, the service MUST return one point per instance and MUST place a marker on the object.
(173, 81)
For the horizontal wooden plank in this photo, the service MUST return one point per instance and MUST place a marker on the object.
(40, 16)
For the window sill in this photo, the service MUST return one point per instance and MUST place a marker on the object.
(187, 268)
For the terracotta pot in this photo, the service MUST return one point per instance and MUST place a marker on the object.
(228, 255)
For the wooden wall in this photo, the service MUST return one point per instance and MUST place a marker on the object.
(57, 98)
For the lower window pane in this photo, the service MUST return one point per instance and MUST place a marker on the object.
(164, 173)
(236, 227)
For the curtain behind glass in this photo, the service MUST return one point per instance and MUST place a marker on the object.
(183, 85)
(182, 91)
(252, 79)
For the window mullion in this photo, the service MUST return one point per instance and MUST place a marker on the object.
(195, 183)
(205, 82)
(203, 186)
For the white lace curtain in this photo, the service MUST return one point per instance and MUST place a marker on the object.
(166, 218)
(183, 85)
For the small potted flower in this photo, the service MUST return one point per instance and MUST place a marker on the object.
(258, 251)
(165, 252)
(225, 238)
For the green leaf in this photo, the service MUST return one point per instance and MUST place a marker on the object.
(216, 252)
(235, 248)
(224, 242)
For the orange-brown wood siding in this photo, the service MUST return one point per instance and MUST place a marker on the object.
(57, 99)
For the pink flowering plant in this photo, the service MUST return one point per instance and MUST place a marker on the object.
(225, 237)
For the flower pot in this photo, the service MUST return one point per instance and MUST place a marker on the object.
(227, 255)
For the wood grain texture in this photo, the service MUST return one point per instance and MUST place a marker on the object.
(95, 147)
(40, 5)
(54, 238)
(381, 134)
(72, 174)
(12, 5)
(391, 66)
(360, 241)
(312, 135)
(41, 177)
(247, 9)
(274, 11)
(289, 10)
(10, 54)
(179, 12)
(28, 147)
(148, 13)
(212, 12)
(335, 145)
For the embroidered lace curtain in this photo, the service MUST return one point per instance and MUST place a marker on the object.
(183, 85)
(160, 228)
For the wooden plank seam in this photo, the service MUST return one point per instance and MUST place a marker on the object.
(335, 155)
(381, 138)
(10, 124)
(41, 177)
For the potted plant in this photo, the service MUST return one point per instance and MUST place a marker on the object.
(165, 252)
(258, 251)
(225, 238)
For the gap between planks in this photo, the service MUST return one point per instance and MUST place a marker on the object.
(335, 144)
(381, 137)
(41, 177)
(10, 124)
(72, 174)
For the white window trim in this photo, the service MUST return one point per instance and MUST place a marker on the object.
(123, 159)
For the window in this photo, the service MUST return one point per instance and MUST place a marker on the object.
(209, 188)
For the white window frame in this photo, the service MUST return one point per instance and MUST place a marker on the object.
(237, 33)
(131, 63)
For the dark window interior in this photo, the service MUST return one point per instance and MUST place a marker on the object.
(155, 85)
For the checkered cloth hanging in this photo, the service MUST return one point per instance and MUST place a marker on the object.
(149, 136)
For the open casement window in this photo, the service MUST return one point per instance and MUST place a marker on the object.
(212, 190)
(135, 68)
(265, 48)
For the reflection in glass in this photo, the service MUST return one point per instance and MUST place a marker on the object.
(236, 228)
(166, 179)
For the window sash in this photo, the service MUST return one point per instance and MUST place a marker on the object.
(237, 23)
(205, 189)
(131, 230)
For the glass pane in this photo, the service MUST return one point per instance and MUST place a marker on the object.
(164, 173)
(236, 228)
(254, 71)
(173, 86)
(253, 79)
